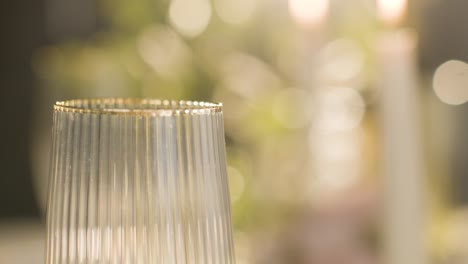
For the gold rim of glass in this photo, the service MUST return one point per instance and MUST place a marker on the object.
(135, 106)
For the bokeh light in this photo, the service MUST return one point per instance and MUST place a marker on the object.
(308, 12)
(164, 51)
(450, 82)
(341, 108)
(248, 76)
(391, 11)
(335, 142)
(190, 17)
(336, 162)
(342, 60)
(235, 12)
(293, 107)
(299, 82)
(339, 146)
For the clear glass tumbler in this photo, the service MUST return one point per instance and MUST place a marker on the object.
(138, 181)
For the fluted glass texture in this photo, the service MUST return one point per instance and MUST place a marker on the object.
(138, 181)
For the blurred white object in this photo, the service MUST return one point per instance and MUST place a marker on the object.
(403, 175)
(451, 82)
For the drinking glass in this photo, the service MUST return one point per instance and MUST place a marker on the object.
(138, 181)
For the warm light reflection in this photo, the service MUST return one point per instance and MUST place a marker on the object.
(391, 11)
(450, 82)
(308, 12)
(190, 17)
(235, 12)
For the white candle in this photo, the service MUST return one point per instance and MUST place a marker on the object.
(403, 168)
(310, 17)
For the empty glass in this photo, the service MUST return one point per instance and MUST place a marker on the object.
(138, 181)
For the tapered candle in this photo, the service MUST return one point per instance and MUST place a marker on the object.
(403, 168)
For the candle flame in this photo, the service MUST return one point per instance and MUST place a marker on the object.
(308, 12)
(391, 11)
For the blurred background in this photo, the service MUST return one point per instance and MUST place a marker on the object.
(345, 123)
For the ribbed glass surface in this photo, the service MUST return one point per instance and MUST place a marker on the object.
(138, 181)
